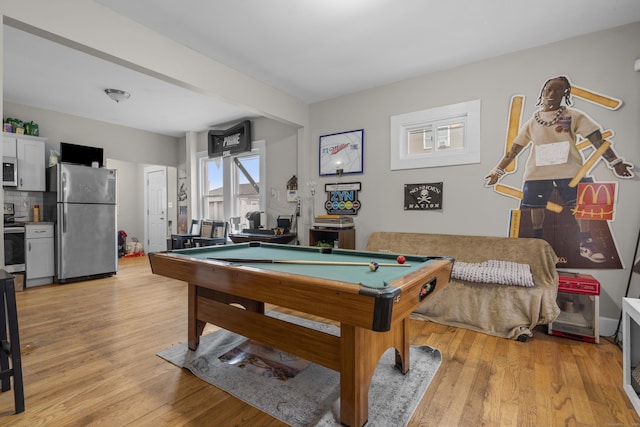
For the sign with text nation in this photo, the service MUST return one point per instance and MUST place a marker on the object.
(423, 197)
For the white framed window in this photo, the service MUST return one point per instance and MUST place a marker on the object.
(441, 136)
(232, 185)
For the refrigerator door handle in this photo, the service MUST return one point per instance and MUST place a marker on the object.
(64, 217)
(63, 185)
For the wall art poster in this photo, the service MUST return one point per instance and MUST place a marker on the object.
(183, 220)
(559, 198)
(423, 197)
(341, 153)
(183, 207)
(342, 199)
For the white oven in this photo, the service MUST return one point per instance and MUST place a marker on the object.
(14, 248)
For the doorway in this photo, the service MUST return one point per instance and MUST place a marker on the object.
(159, 198)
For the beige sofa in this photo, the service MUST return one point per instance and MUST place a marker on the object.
(505, 311)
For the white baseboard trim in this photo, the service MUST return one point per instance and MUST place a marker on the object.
(608, 326)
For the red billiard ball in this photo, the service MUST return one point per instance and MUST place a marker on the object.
(401, 259)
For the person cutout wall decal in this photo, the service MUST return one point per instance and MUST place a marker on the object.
(554, 159)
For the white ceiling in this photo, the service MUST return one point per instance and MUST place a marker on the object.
(311, 49)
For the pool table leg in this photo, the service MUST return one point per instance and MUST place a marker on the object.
(195, 326)
(360, 353)
(402, 345)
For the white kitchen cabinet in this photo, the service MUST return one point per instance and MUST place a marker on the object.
(30, 152)
(31, 165)
(39, 254)
(9, 146)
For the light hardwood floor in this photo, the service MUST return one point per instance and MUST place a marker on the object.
(89, 358)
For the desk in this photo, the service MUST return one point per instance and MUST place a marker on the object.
(178, 240)
(262, 237)
(372, 307)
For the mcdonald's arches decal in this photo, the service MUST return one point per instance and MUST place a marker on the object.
(595, 201)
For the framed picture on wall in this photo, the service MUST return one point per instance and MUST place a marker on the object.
(341, 153)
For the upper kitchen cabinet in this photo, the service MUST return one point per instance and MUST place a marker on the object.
(30, 152)
(31, 171)
(9, 146)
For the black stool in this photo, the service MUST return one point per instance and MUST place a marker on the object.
(10, 348)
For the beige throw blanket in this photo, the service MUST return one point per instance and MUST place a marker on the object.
(494, 271)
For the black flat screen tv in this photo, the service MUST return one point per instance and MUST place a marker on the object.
(81, 154)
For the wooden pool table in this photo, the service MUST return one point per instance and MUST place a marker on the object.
(372, 307)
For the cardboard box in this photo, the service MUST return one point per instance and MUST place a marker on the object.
(18, 281)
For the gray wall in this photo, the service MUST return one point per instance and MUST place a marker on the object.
(602, 62)
(281, 154)
(119, 142)
(130, 213)
(281, 141)
(129, 150)
(125, 149)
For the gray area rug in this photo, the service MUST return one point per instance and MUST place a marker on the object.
(312, 397)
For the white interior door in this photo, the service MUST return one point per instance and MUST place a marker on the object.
(156, 201)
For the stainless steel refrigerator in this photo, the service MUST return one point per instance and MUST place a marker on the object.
(82, 202)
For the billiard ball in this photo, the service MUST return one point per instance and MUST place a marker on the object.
(373, 266)
(401, 259)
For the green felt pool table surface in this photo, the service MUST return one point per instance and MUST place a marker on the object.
(355, 274)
